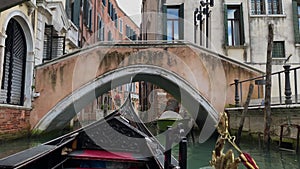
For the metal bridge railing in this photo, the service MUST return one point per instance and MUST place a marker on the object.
(286, 78)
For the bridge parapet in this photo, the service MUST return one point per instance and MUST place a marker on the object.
(284, 88)
(206, 74)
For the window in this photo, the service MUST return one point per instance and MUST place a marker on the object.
(278, 50)
(129, 32)
(133, 89)
(104, 2)
(111, 10)
(174, 25)
(296, 20)
(72, 8)
(14, 66)
(108, 7)
(116, 20)
(273, 7)
(109, 36)
(88, 14)
(258, 7)
(130, 87)
(121, 26)
(100, 29)
(234, 26)
(54, 45)
(298, 16)
(90, 19)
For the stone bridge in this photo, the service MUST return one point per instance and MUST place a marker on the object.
(199, 78)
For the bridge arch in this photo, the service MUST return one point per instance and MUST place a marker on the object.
(203, 112)
(200, 79)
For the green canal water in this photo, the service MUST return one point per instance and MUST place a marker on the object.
(198, 154)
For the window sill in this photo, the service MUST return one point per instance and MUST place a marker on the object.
(2, 105)
(268, 15)
(278, 61)
(236, 47)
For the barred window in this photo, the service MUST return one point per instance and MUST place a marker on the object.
(262, 7)
(258, 7)
(278, 49)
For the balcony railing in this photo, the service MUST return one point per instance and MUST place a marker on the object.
(284, 88)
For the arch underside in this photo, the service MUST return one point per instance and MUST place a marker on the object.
(200, 109)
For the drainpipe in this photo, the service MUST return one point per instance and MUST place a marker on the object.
(3, 36)
(95, 21)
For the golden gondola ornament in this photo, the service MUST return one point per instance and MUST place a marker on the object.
(227, 160)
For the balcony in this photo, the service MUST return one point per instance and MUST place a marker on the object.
(72, 35)
(5, 4)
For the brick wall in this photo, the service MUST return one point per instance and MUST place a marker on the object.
(14, 122)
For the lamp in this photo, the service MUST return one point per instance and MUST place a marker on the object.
(206, 11)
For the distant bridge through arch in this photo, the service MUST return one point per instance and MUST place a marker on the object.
(197, 77)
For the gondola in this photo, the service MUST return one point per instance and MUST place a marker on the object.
(118, 141)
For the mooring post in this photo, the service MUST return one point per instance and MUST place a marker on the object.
(183, 153)
(168, 150)
(287, 92)
(236, 98)
(298, 136)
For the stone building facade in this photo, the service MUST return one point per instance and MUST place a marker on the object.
(33, 32)
(29, 30)
(17, 63)
(246, 42)
(102, 21)
(237, 29)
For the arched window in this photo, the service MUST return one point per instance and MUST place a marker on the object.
(13, 79)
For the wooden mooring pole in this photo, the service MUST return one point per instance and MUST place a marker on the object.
(246, 105)
(267, 109)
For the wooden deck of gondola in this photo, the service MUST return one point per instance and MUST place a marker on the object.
(26, 156)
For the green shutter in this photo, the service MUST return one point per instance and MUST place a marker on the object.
(90, 19)
(86, 12)
(68, 8)
(164, 11)
(181, 22)
(225, 26)
(76, 12)
(296, 22)
(242, 25)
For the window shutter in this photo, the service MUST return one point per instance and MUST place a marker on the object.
(280, 10)
(296, 22)
(86, 11)
(164, 11)
(76, 12)
(68, 8)
(181, 22)
(103, 32)
(242, 25)
(108, 7)
(225, 26)
(90, 19)
(116, 20)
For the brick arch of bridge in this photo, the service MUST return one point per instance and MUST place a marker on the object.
(205, 71)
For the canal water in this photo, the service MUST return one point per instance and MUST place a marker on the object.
(199, 155)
